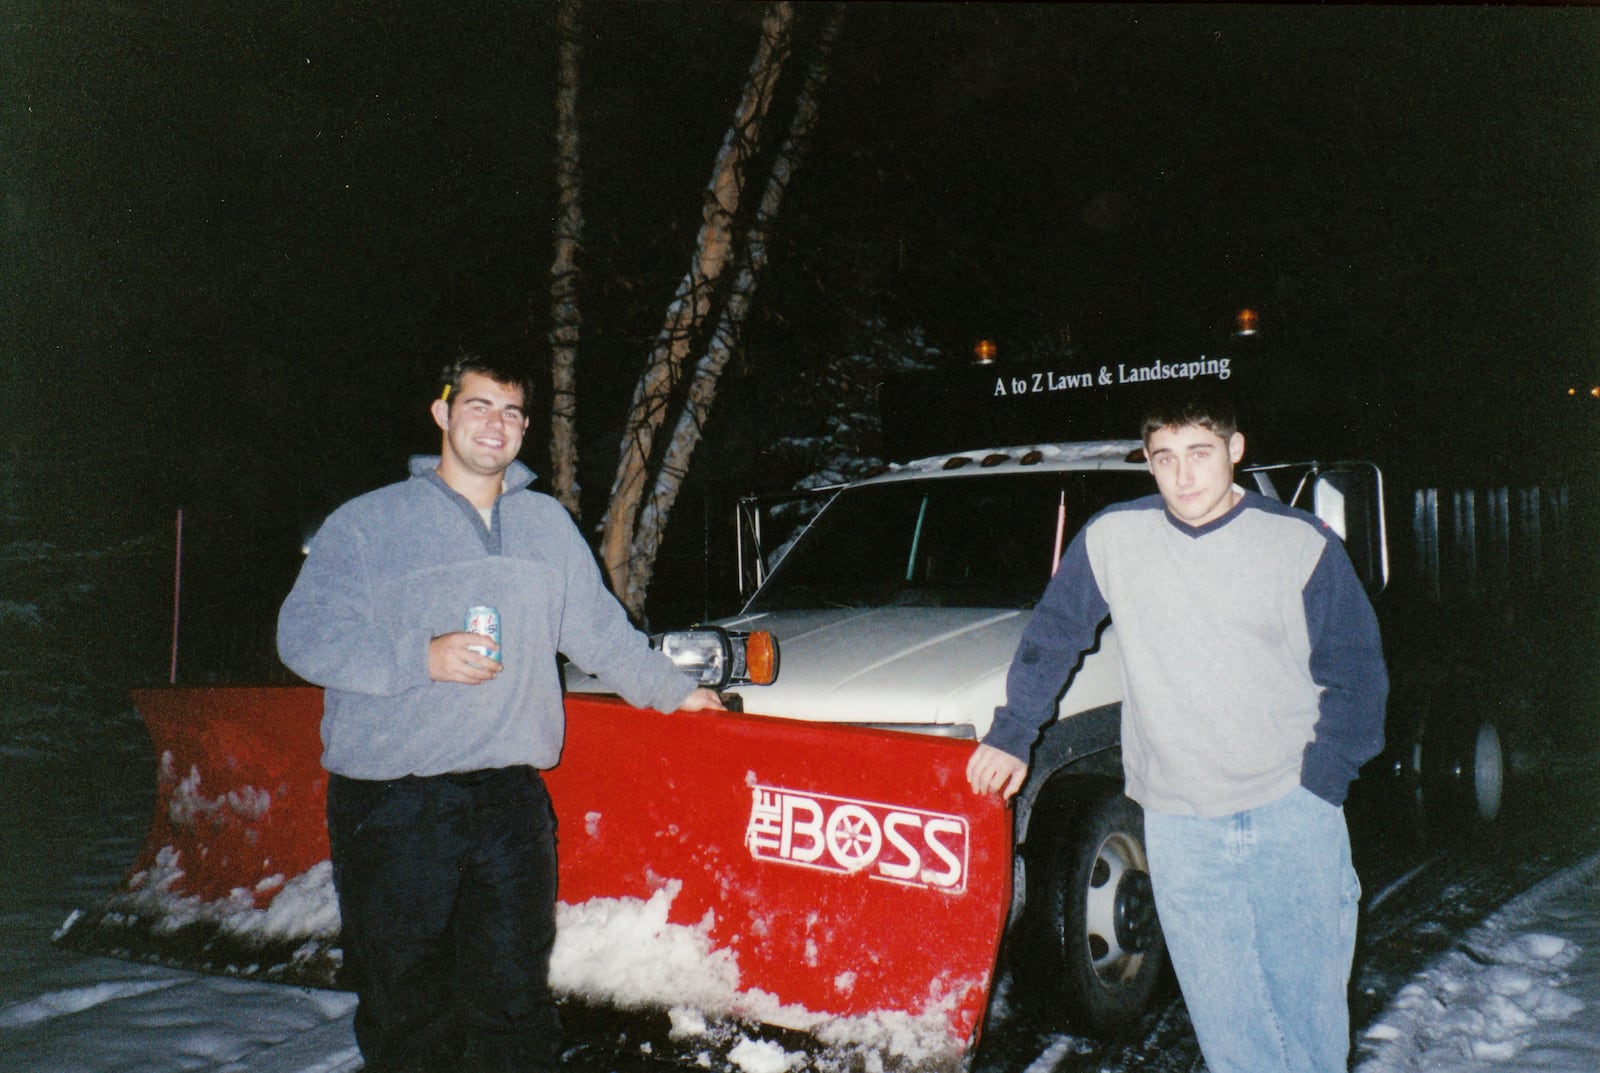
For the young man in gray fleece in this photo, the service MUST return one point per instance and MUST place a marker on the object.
(443, 839)
(1254, 689)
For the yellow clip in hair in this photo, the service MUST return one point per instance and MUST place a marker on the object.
(446, 396)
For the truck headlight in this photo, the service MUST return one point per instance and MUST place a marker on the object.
(717, 658)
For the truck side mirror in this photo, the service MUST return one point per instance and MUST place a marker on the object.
(748, 553)
(1349, 497)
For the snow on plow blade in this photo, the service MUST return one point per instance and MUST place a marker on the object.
(837, 882)
(234, 874)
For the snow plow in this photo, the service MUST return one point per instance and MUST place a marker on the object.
(727, 874)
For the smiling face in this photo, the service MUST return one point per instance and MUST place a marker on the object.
(483, 425)
(1193, 468)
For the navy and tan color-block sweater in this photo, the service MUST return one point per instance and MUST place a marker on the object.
(394, 568)
(1251, 660)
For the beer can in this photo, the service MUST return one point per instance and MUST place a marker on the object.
(485, 621)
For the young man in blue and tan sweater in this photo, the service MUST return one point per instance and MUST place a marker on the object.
(1254, 690)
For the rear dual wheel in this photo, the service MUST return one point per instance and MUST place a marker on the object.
(1459, 770)
(1092, 947)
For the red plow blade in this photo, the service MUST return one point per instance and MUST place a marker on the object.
(234, 874)
(840, 882)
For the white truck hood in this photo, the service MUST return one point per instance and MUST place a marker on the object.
(910, 666)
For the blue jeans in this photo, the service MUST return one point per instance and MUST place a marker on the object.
(1259, 914)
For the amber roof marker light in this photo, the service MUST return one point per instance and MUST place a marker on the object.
(984, 352)
(1246, 322)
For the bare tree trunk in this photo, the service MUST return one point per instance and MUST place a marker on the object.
(564, 314)
(691, 304)
(709, 367)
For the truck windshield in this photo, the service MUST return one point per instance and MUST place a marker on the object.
(985, 540)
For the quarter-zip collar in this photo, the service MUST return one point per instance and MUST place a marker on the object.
(517, 478)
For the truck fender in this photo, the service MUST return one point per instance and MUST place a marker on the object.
(1090, 741)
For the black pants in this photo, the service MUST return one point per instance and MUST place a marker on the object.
(447, 894)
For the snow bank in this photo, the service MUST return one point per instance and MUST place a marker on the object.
(624, 952)
(617, 952)
(1516, 992)
(305, 907)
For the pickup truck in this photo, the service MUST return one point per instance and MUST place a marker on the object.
(899, 607)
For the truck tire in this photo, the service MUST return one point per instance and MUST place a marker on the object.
(1092, 952)
(1460, 770)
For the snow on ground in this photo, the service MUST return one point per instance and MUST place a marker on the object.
(1519, 992)
(98, 1015)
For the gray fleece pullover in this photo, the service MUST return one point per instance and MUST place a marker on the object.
(394, 568)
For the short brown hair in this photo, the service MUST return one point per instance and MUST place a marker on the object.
(499, 370)
(1210, 413)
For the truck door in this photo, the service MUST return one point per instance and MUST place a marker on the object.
(1348, 496)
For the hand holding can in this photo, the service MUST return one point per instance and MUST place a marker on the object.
(484, 621)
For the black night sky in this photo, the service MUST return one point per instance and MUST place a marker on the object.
(240, 237)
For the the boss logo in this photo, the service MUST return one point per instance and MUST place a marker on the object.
(837, 834)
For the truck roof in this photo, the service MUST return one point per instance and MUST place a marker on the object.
(1126, 455)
